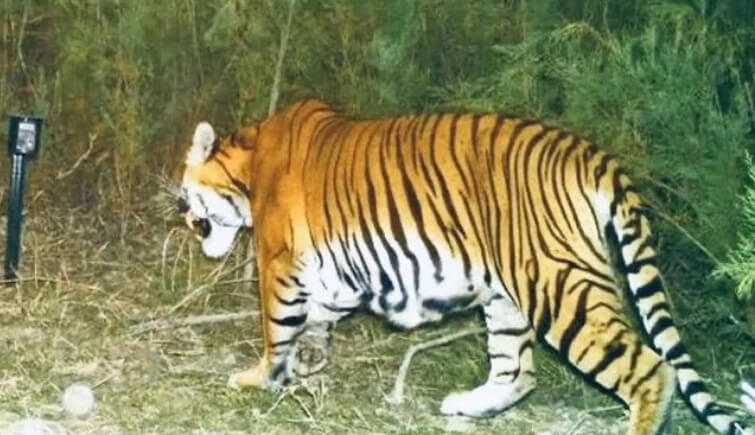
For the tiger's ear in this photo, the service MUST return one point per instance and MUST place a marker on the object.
(201, 144)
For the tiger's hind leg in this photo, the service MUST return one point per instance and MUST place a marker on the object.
(512, 369)
(596, 340)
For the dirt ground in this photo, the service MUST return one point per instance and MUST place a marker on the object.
(88, 282)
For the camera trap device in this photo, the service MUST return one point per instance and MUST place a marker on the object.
(24, 140)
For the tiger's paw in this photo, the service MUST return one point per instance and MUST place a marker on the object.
(257, 377)
(311, 359)
(486, 400)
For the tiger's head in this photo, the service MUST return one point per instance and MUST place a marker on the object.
(215, 194)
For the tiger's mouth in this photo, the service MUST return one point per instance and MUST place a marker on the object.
(201, 226)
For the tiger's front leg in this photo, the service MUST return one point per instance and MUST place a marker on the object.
(312, 354)
(283, 313)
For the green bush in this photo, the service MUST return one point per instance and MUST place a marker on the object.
(740, 264)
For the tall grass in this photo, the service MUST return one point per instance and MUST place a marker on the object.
(666, 84)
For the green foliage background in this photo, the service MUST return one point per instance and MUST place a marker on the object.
(665, 84)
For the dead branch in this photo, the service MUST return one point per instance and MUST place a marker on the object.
(275, 91)
(63, 174)
(158, 325)
(397, 394)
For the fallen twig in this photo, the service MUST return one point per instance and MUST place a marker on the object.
(157, 325)
(397, 394)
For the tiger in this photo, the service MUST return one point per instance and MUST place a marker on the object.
(417, 217)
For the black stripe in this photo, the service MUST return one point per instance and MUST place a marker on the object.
(497, 253)
(613, 352)
(278, 370)
(581, 177)
(661, 325)
(397, 228)
(283, 343)
(315, 131)
(367, 238)
(654, 286)
(367, 276)
(236, 182)
(711, 409)
(331, 180)
(575, 325)
(544, 322)
(378, 229)
(416, 210)
(561, 276)
(340, 310)
(476, 232)
(646, 377)
(297, 301)
(638, 346)
(452, 150)
(473, 142)
(558, 183)
(527, 344)
(676, 351)
(688, 365)
(636, 265)
(447, 305)
(596, 251)
(499, 356)
(583, 354)
(289, 321)
(602, 168)
(353, 267)
(510, 190)
(442, 182)
(510, 331)
(693, 388)
(358, 146)
(542, 171)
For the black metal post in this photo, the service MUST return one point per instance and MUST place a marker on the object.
(15, 209)
(24, 134)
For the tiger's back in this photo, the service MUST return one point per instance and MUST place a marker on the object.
(424, 215)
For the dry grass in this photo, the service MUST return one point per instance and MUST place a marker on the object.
(88, 280)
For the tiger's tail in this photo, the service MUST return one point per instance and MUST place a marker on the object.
(637, 259)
